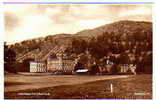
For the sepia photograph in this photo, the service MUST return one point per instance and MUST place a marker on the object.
(78, 51)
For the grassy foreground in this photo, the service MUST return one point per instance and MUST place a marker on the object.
(139, 86)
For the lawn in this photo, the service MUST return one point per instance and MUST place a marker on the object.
(137, 86)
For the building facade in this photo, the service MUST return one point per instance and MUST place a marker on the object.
(37, 67)
(61, 63)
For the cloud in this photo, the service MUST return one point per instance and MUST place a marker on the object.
(137, 11)
(11, 21)
(30, 21)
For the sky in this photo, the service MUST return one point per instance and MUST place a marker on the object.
(23, 22)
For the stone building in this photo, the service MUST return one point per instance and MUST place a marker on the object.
(37, 67)
(61, 63)
(53, 63)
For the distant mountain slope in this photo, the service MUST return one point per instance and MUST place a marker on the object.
(77, 43)
(118, 27)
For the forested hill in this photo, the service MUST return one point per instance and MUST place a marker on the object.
(98, 40)
(127, 27)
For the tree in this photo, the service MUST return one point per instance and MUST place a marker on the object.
(26, 65)
(9, 59)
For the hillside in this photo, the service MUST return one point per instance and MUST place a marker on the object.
(128, 27)
(78, 43)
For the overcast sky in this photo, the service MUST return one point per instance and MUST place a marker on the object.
(24, 22)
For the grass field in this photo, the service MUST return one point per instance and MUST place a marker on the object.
(138, 86)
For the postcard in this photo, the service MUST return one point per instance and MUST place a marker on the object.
(78, 50)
